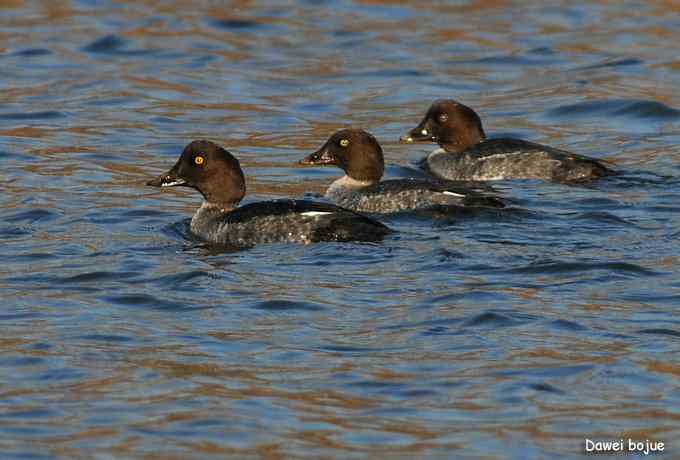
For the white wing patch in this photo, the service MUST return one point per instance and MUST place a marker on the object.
(316, 213)
(437, 151)
(453, 194)
(173, 183)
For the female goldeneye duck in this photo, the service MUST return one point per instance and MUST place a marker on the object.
(465, 154)
(217, 175)
(359, 155)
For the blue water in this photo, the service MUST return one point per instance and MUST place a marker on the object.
(517, 333)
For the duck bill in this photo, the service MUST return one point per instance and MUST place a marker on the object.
(320, 157)
(421, 133)
(168, 179)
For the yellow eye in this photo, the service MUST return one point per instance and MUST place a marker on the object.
(344, 142)
(199, 160)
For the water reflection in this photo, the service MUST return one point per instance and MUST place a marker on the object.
(511, 335)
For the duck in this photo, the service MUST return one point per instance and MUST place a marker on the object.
(217, 175)
(360, 156)
(466, 154)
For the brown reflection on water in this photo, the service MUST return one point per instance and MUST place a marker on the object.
(271, 97)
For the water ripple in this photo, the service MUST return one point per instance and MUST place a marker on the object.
(615, 63)
(549, 267)
(46, 115)
(565, 325)
(234, 24)
(97, 277)
(545, 387)
(32, 216)
(286, 305)
(31, 52)
(511, 60)
(667, 332)
(114, 45)
(490, 319)
(177, 279)
(106, 338)
(147, 301)
(555, 372)
(616, 108)
(502, 334)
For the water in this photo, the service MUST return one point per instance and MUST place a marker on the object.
(514, 334)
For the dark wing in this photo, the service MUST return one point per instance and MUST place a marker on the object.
(343, 224)
(302, 206)
(340, 225)
(469, 193)
(508, 146)
(570, 166)
(262, 208)
(281, 207)
(391, 186)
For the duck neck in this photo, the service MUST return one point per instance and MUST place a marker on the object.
(208, 212)
(348, 183)
(211, 206)
(460, 145)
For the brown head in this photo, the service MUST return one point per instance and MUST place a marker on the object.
(450, 124)
(211, 170)
(353, 150)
